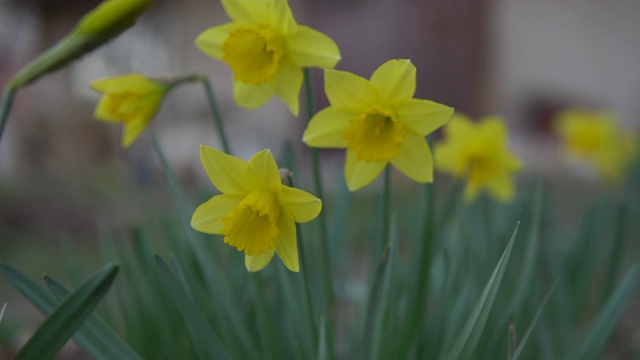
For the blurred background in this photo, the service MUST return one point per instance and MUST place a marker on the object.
(64, 177)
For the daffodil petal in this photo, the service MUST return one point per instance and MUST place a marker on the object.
(348, 91)
(395, 81)
(104, 85)
(494, 129)
(415, 159)
(423, 116)
(263, 172)
(258, 262)
(301, 205)
(251, 96)
(132, 83)
(246, 12)
(359, 173)
(132, 130)
(104, 109)
(226, 172)
(208, 216)
(311, 48)
(501, 187)
(210, 41)
(326, 127)
(285, 243)
(281, 17)
(446, 157)
(286, 84)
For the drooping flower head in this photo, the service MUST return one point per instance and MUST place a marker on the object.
(130, 99)
(256, 213)
(478, 152)
(379, 122)
(265, 49)
(594, 136)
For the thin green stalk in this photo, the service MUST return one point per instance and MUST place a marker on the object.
(424, 261)
(305, 276)
(217, 117)
(324, 238)
(386, 195)
(7, 101)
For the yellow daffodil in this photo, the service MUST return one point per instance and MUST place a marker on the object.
(478, 152)
(593, 136)
(265, 48)
(131, 99)
(256, 213)
(379, 122)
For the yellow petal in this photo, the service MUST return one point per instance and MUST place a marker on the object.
(262, 172)
(447, 156)
(281, 18)
(286, 84)
(326, 127)
(423, 116)
(395, 81)
(251, 96)
(132, 130)
(104, 110)
(247, 12)
(226, 172)
(359, 173)
(348, 91)
(301, 205)
(258, 262)
(208, 216)
(132, 83)
(501, 187)
(210, 41)
(311, 48)
(285, 244)
(415, 159)
(494, 129)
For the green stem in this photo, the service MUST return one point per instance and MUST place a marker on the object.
(386, 195)
(217, 117)
(7, 101)
(305, 276)
(324, 238)
(424, 261)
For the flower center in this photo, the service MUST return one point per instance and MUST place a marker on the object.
(480, 168)
(375, 136)
(251, 226)
(252, 55)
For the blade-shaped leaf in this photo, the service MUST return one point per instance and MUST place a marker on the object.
(468, 339)
(58, 328)
(525, 338)
(2, 311)
(95, 336)
(201, 331)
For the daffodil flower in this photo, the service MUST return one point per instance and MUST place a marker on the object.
(593, 136)
(379, 122)
(478, 152)
(265, 49)
(130, 99)
(256, 213)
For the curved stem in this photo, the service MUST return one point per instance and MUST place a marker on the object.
(217, 117)
(7, 101)
(324, 238)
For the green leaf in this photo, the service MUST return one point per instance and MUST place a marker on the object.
(95, 336)
(605, 321)
(201, 332)
(2, 311)
(536, 318)
(323, 351)
(468, 339)
(68, 316)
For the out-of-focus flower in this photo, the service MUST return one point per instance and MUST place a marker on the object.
(594, 136)
(103, 23)
(256, 213)
(265, 48)
(130, 99)
(478, 152)
(379, 122)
